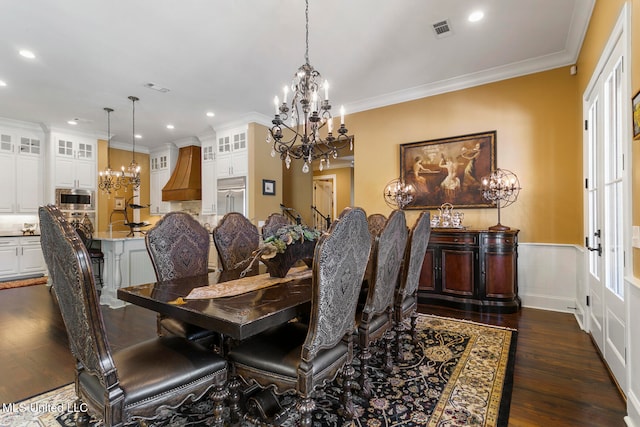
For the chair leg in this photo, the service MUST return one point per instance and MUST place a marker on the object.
(218, 396)
(349, 408)
(82, 418)
(414, 330)
(100, 263)
(365, 381)
(234, 399)
(388, 356)
(399, 332)
(306, 407)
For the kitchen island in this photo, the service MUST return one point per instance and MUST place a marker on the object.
(126, 263)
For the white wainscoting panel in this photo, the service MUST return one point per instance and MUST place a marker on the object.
(549, 277)
(632, 296)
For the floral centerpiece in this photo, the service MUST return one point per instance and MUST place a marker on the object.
(286, 246)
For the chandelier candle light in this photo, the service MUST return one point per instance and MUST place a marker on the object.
(398, 194)
(132, 172)
(309, 114)
(109, 180)
(502, 188)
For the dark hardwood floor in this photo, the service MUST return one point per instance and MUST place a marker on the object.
(559, 378)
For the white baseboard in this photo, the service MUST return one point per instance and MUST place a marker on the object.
(548, 302)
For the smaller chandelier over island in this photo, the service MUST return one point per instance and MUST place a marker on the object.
(502, 188)
(307, 114)
(131, 174)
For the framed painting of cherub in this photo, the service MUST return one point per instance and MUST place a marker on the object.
(449, 170)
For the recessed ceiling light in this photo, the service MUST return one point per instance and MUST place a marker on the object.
(210, 114)
(27, 53)
(72, 122)
(2, 83)
(170, 127)
(476, 16)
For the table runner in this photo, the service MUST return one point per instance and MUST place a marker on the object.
(247, 284)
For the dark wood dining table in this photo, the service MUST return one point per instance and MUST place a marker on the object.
(237, 317)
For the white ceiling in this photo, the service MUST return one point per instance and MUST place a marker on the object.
(233, 56)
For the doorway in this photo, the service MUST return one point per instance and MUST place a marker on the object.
(607, 201)
(324, 201)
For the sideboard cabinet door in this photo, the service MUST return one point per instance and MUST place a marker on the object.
(500, 268)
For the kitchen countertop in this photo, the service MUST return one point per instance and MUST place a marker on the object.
(17, 234)
(117, 235)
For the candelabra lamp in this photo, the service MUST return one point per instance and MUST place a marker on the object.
(398, 194)
(501, 187)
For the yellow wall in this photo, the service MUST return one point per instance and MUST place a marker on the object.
(262, 166)
(298, 193)
(106, 202)
(538, 137)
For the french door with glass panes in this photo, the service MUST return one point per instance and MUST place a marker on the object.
(605, 139)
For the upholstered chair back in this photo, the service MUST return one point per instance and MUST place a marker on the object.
(235, 238)
(387, 260)
(178, 246)
(376, 223)
(69, 267)
(273, 223)
(338, 268)
(414, 255)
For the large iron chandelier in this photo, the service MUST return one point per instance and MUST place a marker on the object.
(109, 180)
(308, 114)
(132, 172)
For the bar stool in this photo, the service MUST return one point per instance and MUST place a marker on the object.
(96, 255)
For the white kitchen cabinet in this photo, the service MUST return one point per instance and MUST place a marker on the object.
(21, 257)
(21, 173)
(75, 162)
(9, 257)
(232, 155)
(209, 180)
(160, 167)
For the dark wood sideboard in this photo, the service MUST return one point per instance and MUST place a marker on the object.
(471, 269)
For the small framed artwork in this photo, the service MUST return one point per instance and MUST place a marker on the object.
(448, 170)
(635, 108)
(268, 187)
(118, 203)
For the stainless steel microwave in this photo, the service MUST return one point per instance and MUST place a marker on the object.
(75, 199)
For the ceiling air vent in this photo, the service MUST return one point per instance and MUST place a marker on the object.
(156, 87)
(442, 29)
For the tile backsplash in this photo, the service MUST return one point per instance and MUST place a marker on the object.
(15, 223)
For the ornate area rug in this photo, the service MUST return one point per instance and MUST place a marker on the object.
(24, 282)
(461, 374)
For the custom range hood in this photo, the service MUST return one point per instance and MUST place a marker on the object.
(186, 181)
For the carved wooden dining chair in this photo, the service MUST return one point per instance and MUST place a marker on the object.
(376, 224)
(406, 298)
(136, 384)
(273, 223)
(376, 319)
(236, 238)
(301, 356)
(178, 246)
